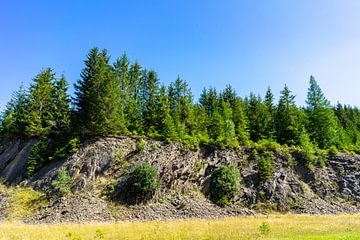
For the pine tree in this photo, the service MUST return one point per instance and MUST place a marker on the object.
(167, 128)
(180, 97)
(209, 100)
(62, 108)
(40, 118)
(288, 127)
(98, 97)
(269, 103)
(134, 114)
(150, 94)
(227, 135)
(259, 118)
(12, 118)
(121, 71)
(323, 125)
(241, 122)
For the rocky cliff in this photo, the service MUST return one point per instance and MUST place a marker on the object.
(184, 175)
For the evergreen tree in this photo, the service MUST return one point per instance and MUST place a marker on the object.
(12, 118)
(98, 97)
(269, 103)
(167, 127)
(259, 118)
(40, 118)
(62, 108)
(121, 70)
(288, 126)
(209, 100)
(241, 122)
(150, 94)
(134, 106)
(227, 135)
(323, 126)
(180, 97)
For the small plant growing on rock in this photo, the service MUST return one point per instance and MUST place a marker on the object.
(63, 182)
(140, 145)
(142, 183)
(265, 168)
(224, 184)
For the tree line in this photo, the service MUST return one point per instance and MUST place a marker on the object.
(123, 98)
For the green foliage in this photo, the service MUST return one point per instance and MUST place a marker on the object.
(47, 150)
(323, 126)
(259, 118)
(98, 97)
(62, 182)
(264, 228)
(124, 98)
(142, 182)
(307, 149)
(224, 184)
(140, 145)
(110, 188)
(22, 202)
(254, 154)
(267, 145)
(265, 168)
(288, 126)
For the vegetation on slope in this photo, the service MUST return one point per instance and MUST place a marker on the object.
(123, 98)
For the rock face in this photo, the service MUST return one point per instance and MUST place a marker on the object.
(13, 159)
(185, 178)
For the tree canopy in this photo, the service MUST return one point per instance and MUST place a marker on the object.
(124, 98)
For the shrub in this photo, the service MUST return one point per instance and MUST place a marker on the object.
(140, 145)
(264, 228)
(265, 168)
(63, 182)
(22, 202)
(143, 182)
(333, 151)
(254, 154)
(224, 184)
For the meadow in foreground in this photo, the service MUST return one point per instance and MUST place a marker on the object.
(253, 227)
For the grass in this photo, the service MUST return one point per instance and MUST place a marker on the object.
(272, 227)
(22, 202)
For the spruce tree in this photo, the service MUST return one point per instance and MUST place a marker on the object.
(259, 118)
(133, 111)
(269, 103)
(97, 99)
(40, 117)
(288, 127)
(323, 125)
(150, 94)
(241, 122)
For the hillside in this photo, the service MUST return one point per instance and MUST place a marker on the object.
(101, 166)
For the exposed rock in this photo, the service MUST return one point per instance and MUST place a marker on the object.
(74, 208)
(332, 189)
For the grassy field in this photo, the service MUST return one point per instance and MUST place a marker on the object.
(272, 227)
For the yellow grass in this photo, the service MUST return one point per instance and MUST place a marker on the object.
(279, 226)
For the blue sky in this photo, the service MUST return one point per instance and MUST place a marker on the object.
(248, 44)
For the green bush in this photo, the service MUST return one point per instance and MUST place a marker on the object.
(143, 182)
(140, 145)
(224, 184)
(63, 182)
(265, 168)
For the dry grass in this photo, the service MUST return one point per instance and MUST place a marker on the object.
(272, 227)
(22, 202)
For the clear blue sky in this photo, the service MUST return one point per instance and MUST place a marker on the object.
(248, 44)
